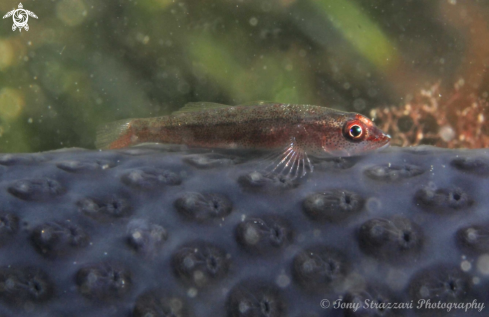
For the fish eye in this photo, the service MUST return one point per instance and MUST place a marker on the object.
(354, 131)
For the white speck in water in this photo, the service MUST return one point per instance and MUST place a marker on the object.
(30, 120)
(483, 264)
(373, 204)
(447, 133)
(465, 266)
(283, 280)
(253, 21)
(192, 292)
(359, 104)
(372, 92)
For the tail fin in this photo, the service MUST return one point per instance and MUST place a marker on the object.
(114, 135)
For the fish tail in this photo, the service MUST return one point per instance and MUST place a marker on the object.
(114, 135)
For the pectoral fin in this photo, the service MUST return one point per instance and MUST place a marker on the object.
(292, 162)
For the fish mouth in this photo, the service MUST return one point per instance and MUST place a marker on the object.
(378, 139)
(386, 145)
(386, 142)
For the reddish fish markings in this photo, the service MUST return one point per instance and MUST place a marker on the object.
(297, 129)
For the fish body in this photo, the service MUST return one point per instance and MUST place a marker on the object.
(295, 129)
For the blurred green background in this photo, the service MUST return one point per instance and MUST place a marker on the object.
(86, 62)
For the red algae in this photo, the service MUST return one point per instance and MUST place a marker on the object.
(450, 120)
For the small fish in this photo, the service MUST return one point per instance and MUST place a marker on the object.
(295, 130)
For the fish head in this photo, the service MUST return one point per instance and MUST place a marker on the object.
(357, 135)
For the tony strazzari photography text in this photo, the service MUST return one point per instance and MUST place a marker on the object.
(420, 304)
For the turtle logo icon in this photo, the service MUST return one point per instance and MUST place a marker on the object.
(20, 17)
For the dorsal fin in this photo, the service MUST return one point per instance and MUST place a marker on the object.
(259, 103)
(204, 105)
(199, 106)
